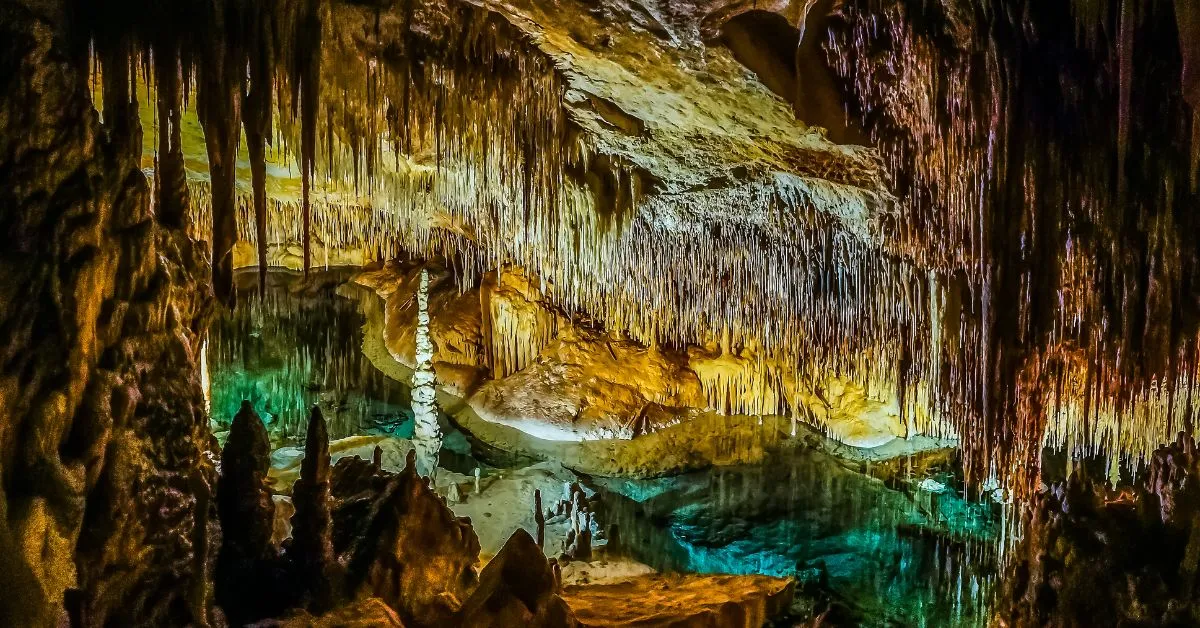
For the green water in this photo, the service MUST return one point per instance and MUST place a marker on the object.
(897, 555)
(297, 346)
(891, 554)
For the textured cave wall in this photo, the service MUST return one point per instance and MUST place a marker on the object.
(105, 513)
(1056, 204)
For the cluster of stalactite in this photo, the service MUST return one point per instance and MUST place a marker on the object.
(453, 132)
(1036, 274)
(1054, 201)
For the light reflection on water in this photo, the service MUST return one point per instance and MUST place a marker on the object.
(293, 349)
(894, 556)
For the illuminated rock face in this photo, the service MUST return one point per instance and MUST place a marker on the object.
(582, 383)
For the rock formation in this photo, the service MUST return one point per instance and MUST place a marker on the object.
(105, 486)
(311, 549)
(401, 543)
(1093, 555)
(248, 565)
(517, 588)
(427, 435)
(631, 232)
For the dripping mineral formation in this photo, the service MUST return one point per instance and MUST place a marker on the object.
(519, 312)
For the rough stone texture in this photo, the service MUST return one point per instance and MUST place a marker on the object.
(576, 383)
(680, 601)
(401, 543)
(517, 588)
(1093, 556)
(104, 482)
(368, 613)
(311, 549)
(248, 564)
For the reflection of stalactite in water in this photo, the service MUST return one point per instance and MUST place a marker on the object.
(921, 556)
(287, 353)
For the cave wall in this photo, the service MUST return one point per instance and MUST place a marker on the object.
(1055, 203)
(104, 510)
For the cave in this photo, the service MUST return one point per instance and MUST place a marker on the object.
(543, 314)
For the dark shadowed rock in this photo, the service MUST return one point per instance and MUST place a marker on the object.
(402, 544)
(1092, 556)
(517, 588)
(311, 549)
(247, 563)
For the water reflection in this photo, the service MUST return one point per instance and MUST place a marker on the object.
(298, 346)
(910, 557)
(900, 552)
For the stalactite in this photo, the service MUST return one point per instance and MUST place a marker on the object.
(218, 106)
(1069, 326)
(170, 173)
(307, 79)
(256, 120)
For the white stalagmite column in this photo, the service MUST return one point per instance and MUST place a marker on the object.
(427, 435)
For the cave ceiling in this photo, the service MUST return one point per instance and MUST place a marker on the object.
(651, 165)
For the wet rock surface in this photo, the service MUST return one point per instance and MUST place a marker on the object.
(517, 588)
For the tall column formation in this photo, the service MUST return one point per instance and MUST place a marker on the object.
(427, 435)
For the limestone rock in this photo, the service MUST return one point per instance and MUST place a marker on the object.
(683, 601)
(247, 565)
(402, 544)
(368, 613)
(311, 549)
(517, 588)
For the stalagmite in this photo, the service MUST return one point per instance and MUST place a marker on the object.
(247, 516)
(427, 434)
(311, 550)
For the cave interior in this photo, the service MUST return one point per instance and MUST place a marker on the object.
(597, 313)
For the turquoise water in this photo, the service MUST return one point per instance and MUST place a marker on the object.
(895, 555)
(300, 345)
(885, 554)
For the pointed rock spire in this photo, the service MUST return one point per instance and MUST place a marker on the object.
(247, 516)
(312, 528)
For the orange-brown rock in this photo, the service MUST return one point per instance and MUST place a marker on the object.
(680, 601)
